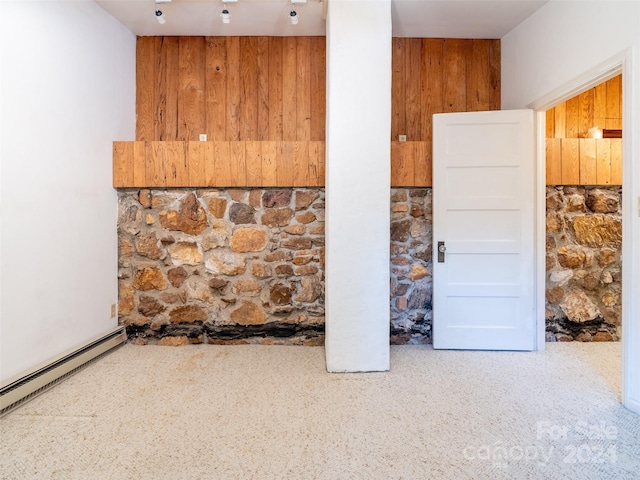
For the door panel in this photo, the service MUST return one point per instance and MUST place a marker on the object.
(483, 210)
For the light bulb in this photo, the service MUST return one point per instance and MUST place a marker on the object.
(226, 16)
(594, 132)
(293, 16)
(160, 17)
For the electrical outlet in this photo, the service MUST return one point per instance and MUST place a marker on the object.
(113, 310)
(203, 137)
(402, 138)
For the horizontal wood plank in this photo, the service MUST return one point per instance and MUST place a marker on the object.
(554, 161)
(588, 168)
(616, 161)
(248, 164)
(122, 164)
(583, 161)
(570, 149)
(603, 162)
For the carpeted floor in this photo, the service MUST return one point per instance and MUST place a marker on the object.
(268, 412)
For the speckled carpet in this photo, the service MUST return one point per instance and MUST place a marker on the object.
(268, 412)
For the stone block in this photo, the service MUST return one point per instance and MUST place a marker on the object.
(276, 198)
(306, 217)
(554, 295)
(127, 300)
(418, 271)
(185, 253)
(298, 243)
(305, 270)
(278, 256)
(255, 198)
(420, 229)
(597, 230)
(177, 341)
(310, 291)
(249, 314)
(607, 256)
(601, 201)
(149, 306)
(187, 314)
(247, 285)
(246, 240)
(277, 217)
(297, 229)
(555, 201)
(149, 278)
(144, 197)
(261, 270)
(284, 270)
(280, 294)
(218, 207)
(578, 307)
(237, 194)
(197, 289)
(191, 218)
(242, 214)
(399, 195)
(125, 248)
(571, 257)
(400, 230)
(177, 276)
(305, 198)
(554, 223)
(225, 263)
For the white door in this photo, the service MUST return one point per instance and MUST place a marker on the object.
(483, 223)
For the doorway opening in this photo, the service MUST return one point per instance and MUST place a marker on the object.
(612, 67)
(583, 200)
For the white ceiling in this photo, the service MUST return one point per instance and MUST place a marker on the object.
(411, 18)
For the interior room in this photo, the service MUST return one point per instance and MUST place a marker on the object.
(223, 247)
(584, 187)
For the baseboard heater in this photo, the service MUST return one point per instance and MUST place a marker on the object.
(20, 389)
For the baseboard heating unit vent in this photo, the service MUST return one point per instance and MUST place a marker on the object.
(20, 389)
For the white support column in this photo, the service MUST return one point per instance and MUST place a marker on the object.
(358, 185)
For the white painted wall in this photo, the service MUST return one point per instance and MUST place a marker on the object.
(562, 42)
(358, 185)
(67, 91)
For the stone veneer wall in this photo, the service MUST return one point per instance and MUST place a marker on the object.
(411, 266)
(584, 238)
(247, 265)
(222, 266)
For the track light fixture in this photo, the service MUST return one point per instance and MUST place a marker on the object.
(226, 16)
(160, 17)
(293, 14)
(159, 13)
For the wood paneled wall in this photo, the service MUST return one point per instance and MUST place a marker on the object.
(573, 159)
(601, 106)
(218, 164)
(231, 88)
(584, 161)
(432, 75)
(245, 90)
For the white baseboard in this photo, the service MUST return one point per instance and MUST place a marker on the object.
(20, 389)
